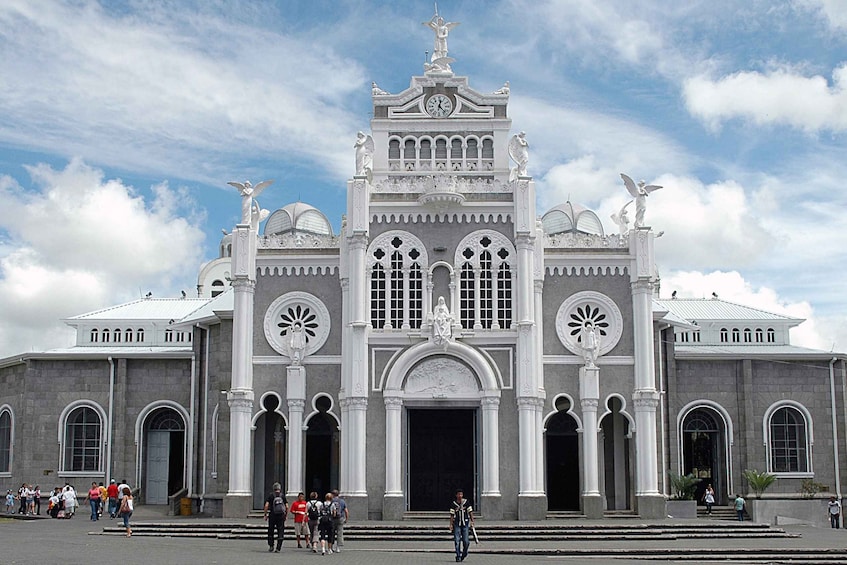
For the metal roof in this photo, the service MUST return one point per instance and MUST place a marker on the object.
(144, 309)
(747, 351)
(224, 302)
(699, 309)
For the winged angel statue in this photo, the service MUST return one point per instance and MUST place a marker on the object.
(440, 61)
(250, 212)
(364, 155)
(640, 193)
(519, 152)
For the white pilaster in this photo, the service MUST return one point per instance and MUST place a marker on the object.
(296, 396)
(491, 446)
(393, 446)
(589, 392)
(354, 410)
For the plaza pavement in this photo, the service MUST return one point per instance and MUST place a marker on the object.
(70, 542)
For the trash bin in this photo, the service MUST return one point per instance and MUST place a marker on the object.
(185, 507)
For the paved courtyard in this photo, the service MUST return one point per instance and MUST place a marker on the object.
(69, 542)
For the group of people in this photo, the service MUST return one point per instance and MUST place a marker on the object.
(317, 523)
(28, 499)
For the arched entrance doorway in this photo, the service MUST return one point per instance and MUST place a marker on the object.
(562, 450)
(164, 458)
(268, 450)
(616, 457)
(703, 451)
(322, 448)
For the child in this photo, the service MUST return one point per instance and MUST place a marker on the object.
(10, 502)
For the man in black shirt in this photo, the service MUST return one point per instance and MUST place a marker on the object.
(461, 521)
(276, 507)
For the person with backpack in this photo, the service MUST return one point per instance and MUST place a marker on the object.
(313, 514)
(341, 516)
(276, 507)
(326, 524)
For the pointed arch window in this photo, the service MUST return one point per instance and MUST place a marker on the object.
(485, 280)
(396, 263)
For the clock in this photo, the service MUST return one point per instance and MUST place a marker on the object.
(439, 106)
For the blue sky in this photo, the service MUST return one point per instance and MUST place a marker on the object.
(121, 123)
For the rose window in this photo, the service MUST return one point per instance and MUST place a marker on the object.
(298, 314)
(290, 310)
(587, 313)
(582, 308)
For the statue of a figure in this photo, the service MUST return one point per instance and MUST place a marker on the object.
(590, 343)
(519, 152)
(258, 215)
(439, 59)
(640, 193)
(377, 91)
(296, 343)
(364, 155)
(442, 323)
(248, 193)
(621, 219)
(503, 89)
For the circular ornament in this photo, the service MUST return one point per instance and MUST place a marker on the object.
(439, 106)
(583, 307)
(296, 308)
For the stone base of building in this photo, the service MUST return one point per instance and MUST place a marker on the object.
(357, 506)
(593, 506)
(490, 507)
(393, 507)
(237, 506)
(532, 507)
(652, 506)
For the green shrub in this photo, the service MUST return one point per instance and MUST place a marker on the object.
(809, 488)
(683, 486)
(759, 482)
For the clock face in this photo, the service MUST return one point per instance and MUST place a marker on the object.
(439, 106)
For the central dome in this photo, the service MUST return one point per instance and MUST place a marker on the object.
(297, 217)
(571, 218)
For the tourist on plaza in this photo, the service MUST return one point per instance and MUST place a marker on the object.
(126, 509)
(301, 520)
(104, 496)
(94, 500)
(276, 507)
(69, 499)
(341, 516)
(22, 499)
(739, 507)
(37, 490)
(834, 509)
(30, 500)
(313, 513)
(10, 502)
(709, 499)
(112, 493)
(55, 504)
(326, 525)
(461, 521)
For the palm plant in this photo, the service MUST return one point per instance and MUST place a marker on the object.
(683, 486)
(759, 482)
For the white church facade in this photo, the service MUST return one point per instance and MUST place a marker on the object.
(450, 336)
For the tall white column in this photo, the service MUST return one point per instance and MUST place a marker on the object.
(491, 446)
(526, 445)
(393, 446)
(296, 455)
(355, 411)
(589, 392)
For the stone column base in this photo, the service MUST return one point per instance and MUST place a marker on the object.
(237, 506)
(393, 507)
(357, 506)
(491, 507)
(593, 506)
(652, 506)
(532, 507)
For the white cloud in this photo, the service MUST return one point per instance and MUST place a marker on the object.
(170, 92)
(833, 11)
(778, 96)
(83, 242)
(732, 287)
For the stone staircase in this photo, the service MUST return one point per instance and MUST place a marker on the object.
(521, 533)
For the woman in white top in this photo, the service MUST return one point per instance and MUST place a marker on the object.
(126, 509)
(69, 497)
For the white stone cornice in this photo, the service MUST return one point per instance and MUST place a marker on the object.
(309, 360)
(530, 401)
(589, 403)
(294, 403)
(579, 360)
(354, 402)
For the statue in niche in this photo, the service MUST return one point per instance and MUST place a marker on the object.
(442, 323)
(440, 61)
(640, 193)
(621, 219)
(590, 344)
(519, 152)
(296, 343)
(248, 193)
(364, 155)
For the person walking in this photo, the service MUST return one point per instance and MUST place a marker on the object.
(104, 497)
(709, 499)
(37, 490)
(326, 527)
(834, 509)
(126, 509)
(739, 507)
(276, 507)
(112, 494)
(69, 498)
(461, 521)
(94, 501)
(301, 521)
(313, 514)
(341, 516)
